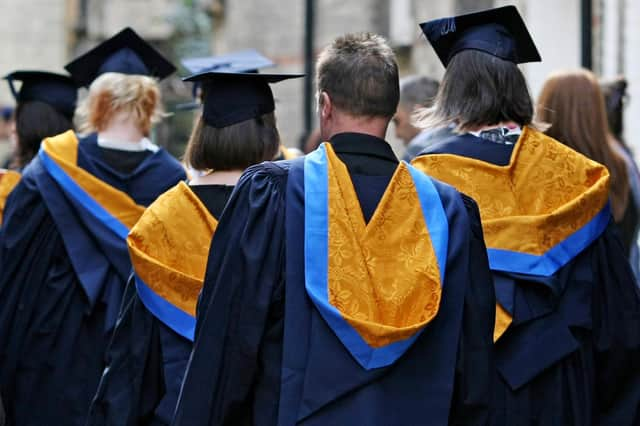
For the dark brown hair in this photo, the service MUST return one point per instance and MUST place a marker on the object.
(234, 147)
(479, 90)
(360, 74)
(572, 103)
(36, 121)
(615, 93)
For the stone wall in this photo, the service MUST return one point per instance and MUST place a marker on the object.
(34, 34)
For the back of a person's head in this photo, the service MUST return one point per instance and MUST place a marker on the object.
(360, 74)
(615, 92)
(234, 147)
(36, 121)
(417, 91)
(478, 90)
(572, 105)
(136, 95)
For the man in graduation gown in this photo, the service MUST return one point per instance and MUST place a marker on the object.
(387, 319)
(63, 255)
(568, 315)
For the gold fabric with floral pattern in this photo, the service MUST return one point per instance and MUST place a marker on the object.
(8, 181)
(384, 277)
(169, 246)
(503, 321)
(546, 193)
(63, 149)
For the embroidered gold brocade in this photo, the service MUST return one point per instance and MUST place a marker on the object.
(503, 321)
(8, 181)
(169, 246)
(383, 276)
(64, 150)
(545, 194)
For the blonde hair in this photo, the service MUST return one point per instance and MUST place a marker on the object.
(112, 93)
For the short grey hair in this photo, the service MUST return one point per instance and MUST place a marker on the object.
(418, 90)
(360, 74)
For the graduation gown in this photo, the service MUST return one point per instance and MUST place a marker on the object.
(63, 270)
(9, 179)
(150, 347)
(568, 319)
(268, 353)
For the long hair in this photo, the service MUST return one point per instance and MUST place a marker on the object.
(479, 90)
(35, 121)
(571, 102)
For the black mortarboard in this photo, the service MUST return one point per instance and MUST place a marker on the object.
(242, 61)
(231, 98)
(57, 90)
(500, 32)
(125, 53)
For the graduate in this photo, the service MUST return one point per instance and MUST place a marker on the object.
(567, 332)
(169, 247)
(248, 60)
(45, 105)
(387, 319)
(63, 256)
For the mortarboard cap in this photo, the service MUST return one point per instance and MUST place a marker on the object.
(125, 53)
(57, 90)
(242, 61)
(231, 98)
(500, 32)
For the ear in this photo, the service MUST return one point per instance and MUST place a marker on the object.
(325, 105)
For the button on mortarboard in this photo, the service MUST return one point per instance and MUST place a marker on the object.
(56, 90)
(500, 32)
(231, 98)
(125, 53)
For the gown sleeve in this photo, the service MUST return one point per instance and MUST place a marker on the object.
(131, 384)
(475, 364)
(616, 334)
(29, 242)
(245, 270)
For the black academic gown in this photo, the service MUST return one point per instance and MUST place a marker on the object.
(254, 292)
(146, 359)
(572, 354)
(53, 333)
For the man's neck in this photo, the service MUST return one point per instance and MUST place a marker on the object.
(374, 126)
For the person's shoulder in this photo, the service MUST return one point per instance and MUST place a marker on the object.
(271, 172)
(458, 205)
(447, 143)
(167, 159)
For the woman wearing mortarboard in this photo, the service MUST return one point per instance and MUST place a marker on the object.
(63, 253)
(567, 326)
(45, 106)
(169, 248)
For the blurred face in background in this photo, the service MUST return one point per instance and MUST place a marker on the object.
(7, 128)
(404, 127)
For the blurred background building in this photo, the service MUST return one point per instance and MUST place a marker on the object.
(45, 34)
